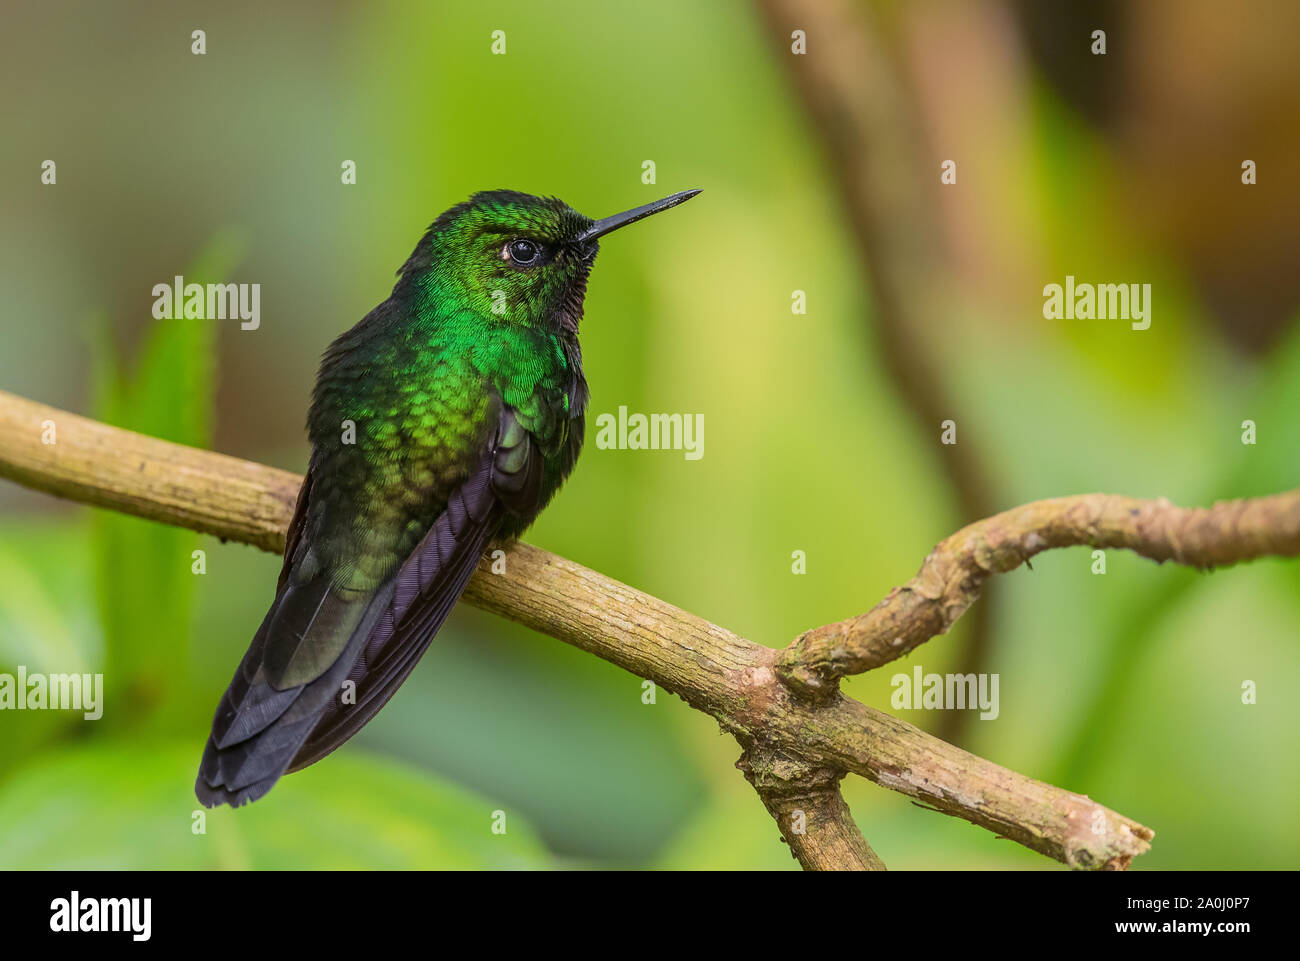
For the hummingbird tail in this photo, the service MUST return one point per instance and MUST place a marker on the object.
(288, 705)
(259, 727)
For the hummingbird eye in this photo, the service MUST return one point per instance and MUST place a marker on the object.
(522, 253)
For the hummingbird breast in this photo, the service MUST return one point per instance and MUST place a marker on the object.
(397, 426)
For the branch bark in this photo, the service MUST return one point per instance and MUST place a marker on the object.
(957, 569)
(808, 808)
(83, 460)
(795, 747)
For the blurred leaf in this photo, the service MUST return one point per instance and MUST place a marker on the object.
(1196, 763)
(129, 805)
(143, 569)
(45, 621)
(561, 735)
(1270, 466)
(48, 622)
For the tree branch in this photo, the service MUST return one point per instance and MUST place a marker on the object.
(795, 747)
(807, 806)
(84, 460)
(953, 575)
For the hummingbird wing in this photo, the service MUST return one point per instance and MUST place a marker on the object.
(428, 584)
(318, 636)
(261, 719)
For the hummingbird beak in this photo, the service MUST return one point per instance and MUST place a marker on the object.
(608, 224)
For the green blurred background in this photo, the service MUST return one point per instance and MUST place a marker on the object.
(226, 166)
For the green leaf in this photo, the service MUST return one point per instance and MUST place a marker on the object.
(129, 805)
(48, 622)
(143, 569)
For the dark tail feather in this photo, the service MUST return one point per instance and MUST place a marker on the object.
(425, 590)
(261, 723)
(283, 711)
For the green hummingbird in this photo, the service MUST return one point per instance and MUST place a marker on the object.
(444, 421)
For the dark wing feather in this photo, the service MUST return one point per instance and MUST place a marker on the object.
(429, 583)
(425, 589)
(259, 727)
(297, 661)
(293, 538)
(283, 710)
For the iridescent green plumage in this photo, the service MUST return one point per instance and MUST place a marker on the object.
(446, 418)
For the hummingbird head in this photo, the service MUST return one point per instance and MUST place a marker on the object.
(511, 255)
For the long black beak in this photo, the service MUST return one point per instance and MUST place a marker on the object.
(607, 224)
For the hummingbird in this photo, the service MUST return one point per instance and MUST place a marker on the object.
(442, 423)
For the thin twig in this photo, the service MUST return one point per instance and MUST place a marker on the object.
(957, 569)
